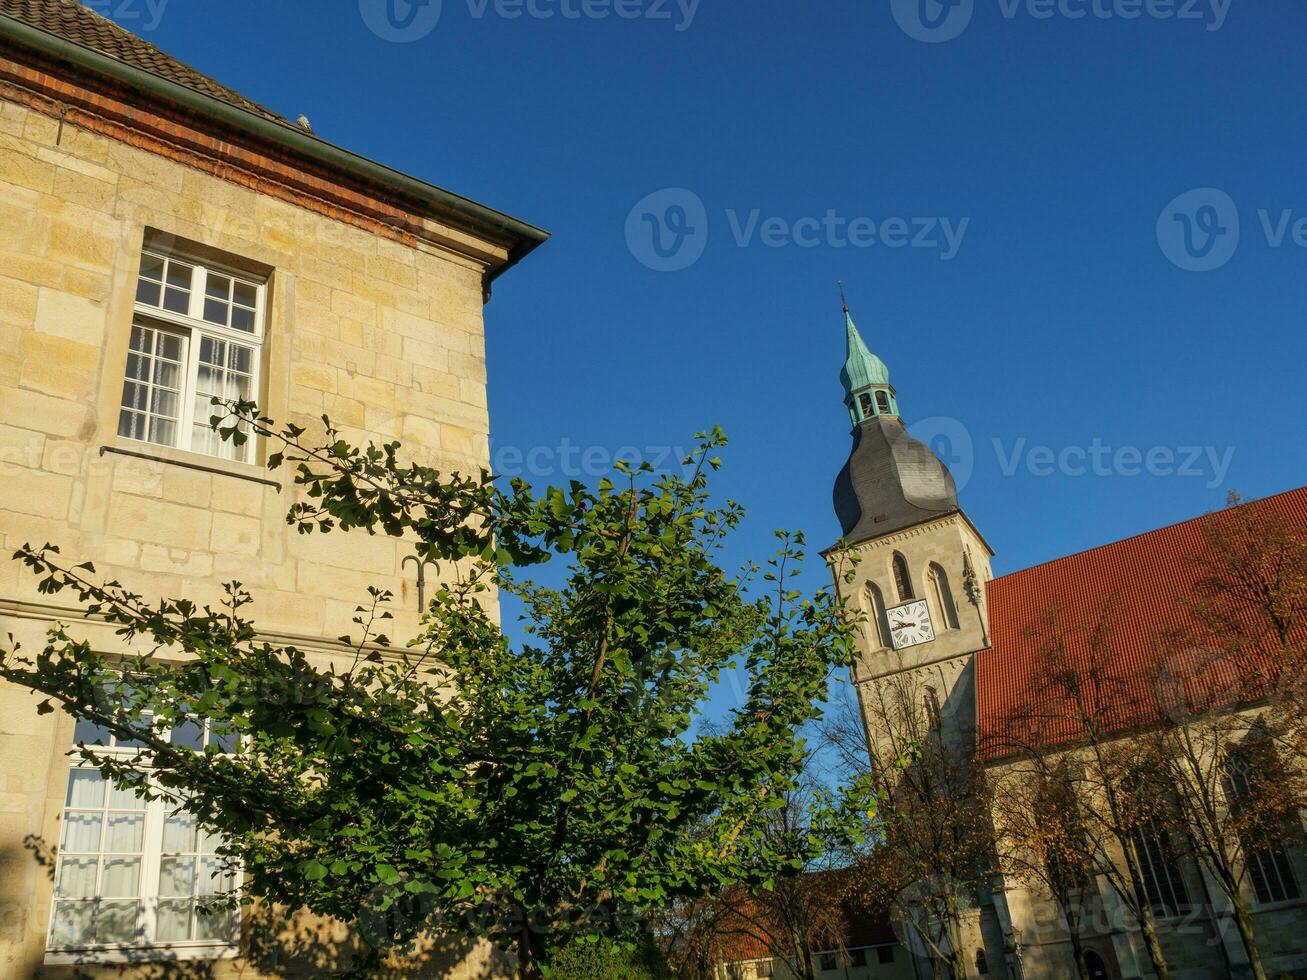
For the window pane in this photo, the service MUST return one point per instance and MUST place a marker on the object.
(165, 404)
(176, 300)
(246, 294)
(162, 431)
(179, 274)
(173, 920)
(167, 374)
(179, 833)
(189, 734)
(177, 877)
(117, 922)
(214, 877)
(242, 319)
(225, 738)
(209, 841)
(148, 292)
(74, 923)
(241, 359)
(77, 877)
(131, 425)
(142, 339)
(85, 789)
(125, 797)
(138, 367)
(219, 287)
(125, 832)
(151, 267)
(146, 720)
(122, 877)
(170, 347)
(215, 925)
(206, 382)
(89, 733)
(211, 351)
(215, 311)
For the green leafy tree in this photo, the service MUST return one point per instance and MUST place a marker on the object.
(527, 792)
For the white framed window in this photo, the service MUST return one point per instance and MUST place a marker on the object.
(133, 873)
(197, 334)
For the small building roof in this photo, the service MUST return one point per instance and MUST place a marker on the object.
(743, 931)
(67, 33)
(75, 22)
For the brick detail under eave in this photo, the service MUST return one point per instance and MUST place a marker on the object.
(99, 106)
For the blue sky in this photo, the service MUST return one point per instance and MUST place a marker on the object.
(1058, 326)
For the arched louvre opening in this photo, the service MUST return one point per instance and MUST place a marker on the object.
(902, 580)
(943, 596)
(878, 623)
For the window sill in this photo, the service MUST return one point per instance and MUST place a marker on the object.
(193, 461)
(159, 953)
(1287, 905)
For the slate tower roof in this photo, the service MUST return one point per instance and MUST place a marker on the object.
(891, 480)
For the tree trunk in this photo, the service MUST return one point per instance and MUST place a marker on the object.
(1078, 951)
(1154, 946)
(1244, 923)
(528, 964)
(957, 956)
(1141, 908)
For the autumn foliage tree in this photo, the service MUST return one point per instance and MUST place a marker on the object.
(1040, 841)
(527, 791)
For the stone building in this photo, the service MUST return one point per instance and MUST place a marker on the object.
(164, 240)
(966, 645)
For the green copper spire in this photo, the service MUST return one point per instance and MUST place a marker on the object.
(862, 368)
(867, 390)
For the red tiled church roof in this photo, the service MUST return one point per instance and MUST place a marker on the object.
(1133, 592)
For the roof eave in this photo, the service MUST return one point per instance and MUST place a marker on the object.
(845, 544)
(520, 237)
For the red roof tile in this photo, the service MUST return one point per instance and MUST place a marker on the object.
(1133, 592)
(71, 21)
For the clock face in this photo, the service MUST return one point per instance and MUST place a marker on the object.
(909, 624)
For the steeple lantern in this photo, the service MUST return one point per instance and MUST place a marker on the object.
(868, 393)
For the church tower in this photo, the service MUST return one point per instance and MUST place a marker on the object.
(920, 563)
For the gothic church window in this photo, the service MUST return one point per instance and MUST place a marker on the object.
(1268, 866)
(1158, 867)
